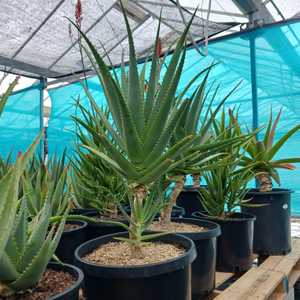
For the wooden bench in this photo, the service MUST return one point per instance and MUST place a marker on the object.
(273, 279)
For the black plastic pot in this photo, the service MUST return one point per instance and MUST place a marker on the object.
(190, 200)
(235, 244)
(272, 229)
(161, 281)
(82, 211)
(95, 230)
(204, 266)
(70, 240)
(297, 290)
(71, 293)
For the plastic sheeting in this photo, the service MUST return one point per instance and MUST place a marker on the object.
(277, 64)
(20, 121)
(38, 40)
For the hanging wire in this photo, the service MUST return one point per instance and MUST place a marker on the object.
(206, 27)
(185, 24)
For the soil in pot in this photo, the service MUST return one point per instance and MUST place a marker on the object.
(163, 273)
(204, 234)
(272, 229)
(235, 244)
(95, 230)
(59, 282)
(190, 200)
(74, 235)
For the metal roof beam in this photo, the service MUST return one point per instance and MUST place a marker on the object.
(255, 10)
(217, 12)
(14, 64)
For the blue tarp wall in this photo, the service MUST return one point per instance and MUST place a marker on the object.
(20, 121)
(266, 59)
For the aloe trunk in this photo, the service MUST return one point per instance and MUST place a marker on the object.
(166, 215)
(135, 233)
(196, 181)
(265, 182)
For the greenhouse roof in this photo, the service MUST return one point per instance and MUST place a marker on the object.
(37, 40)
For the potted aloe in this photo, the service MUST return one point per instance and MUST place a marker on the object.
(25, 268)
(272, 230)
(97, 185)
(120, 266)
(27, 245)
(224, 194)
(48, 181)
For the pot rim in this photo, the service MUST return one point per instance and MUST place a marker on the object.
(138, 271)
(275, 191)
(83, 225)
(247, 217)
(67, 268)
(212, 229)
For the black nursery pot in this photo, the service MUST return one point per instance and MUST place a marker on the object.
(190, 200)
(70, 240)
(71, 293)
(235, 244)
(161, 281)
(204, 266)
(95, 230)
(272, 229)
(82, 211)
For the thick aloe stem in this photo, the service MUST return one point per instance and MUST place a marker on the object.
(196, 181)
(166, 215)
(5, 291)
(135, 234)
(265, 182)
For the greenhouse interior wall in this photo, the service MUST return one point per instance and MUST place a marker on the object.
(260, 61)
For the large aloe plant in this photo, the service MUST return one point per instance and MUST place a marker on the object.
(197, 120)
(261, 155)
(29, 248)
(143, 120)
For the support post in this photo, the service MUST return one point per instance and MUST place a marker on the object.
(254, 88)
(253, 83)
(43, 83)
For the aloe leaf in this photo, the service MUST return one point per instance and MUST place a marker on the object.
(7, 269)
(272, 152)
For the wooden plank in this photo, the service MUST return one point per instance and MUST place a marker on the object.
(256, 284)
(266, 282)
(221, 277)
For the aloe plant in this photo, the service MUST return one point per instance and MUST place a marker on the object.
(43, 182)
(29, 248)
(143, 119)
(96, 184)
(5, 164)
(198, 120)
(226, 180)
(9, 186)
(261, 155)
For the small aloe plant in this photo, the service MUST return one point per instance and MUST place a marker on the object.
(43, 182)
(261, 155)
(29, 248)
(226, 181)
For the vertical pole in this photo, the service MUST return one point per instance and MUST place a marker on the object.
(254, 88)
(42, 87)
(253, 83)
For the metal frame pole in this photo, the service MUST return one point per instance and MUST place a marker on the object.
(254, 88)
(253, 83)
(43, 83)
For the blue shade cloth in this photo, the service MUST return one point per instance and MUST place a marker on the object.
(277, 62)
(20, 121)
